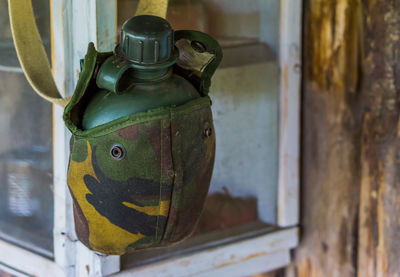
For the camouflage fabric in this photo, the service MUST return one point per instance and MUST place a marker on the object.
(154, 192)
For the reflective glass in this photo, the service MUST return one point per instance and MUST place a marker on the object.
(26, 198)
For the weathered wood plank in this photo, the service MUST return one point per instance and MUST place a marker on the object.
(289, 119)
(379, 243)
(330, 147)
(351, 139)
(241, 258)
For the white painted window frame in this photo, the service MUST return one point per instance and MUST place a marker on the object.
(75, 23)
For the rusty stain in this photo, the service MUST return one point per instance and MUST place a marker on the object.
(285, 104)
(88, 269)
(185, 263)
(233, 259)
(276, 242)
(286, 78)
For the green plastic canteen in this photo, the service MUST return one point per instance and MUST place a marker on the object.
(139, 76)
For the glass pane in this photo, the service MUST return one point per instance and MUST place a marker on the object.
(26, 199)
(245, 96)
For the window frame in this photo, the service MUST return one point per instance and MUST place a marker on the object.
(75, 23)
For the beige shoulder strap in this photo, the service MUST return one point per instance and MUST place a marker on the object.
(153, 7)
(30, 50)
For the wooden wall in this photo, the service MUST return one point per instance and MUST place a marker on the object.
(351, 139)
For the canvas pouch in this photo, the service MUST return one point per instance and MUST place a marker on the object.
(153, 195)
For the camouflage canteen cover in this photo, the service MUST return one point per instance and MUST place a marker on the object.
(151, 196)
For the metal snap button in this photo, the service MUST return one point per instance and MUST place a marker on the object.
(198, 46)
(117, 152)
(208, 132)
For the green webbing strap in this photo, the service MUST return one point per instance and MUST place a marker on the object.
(32, 55)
